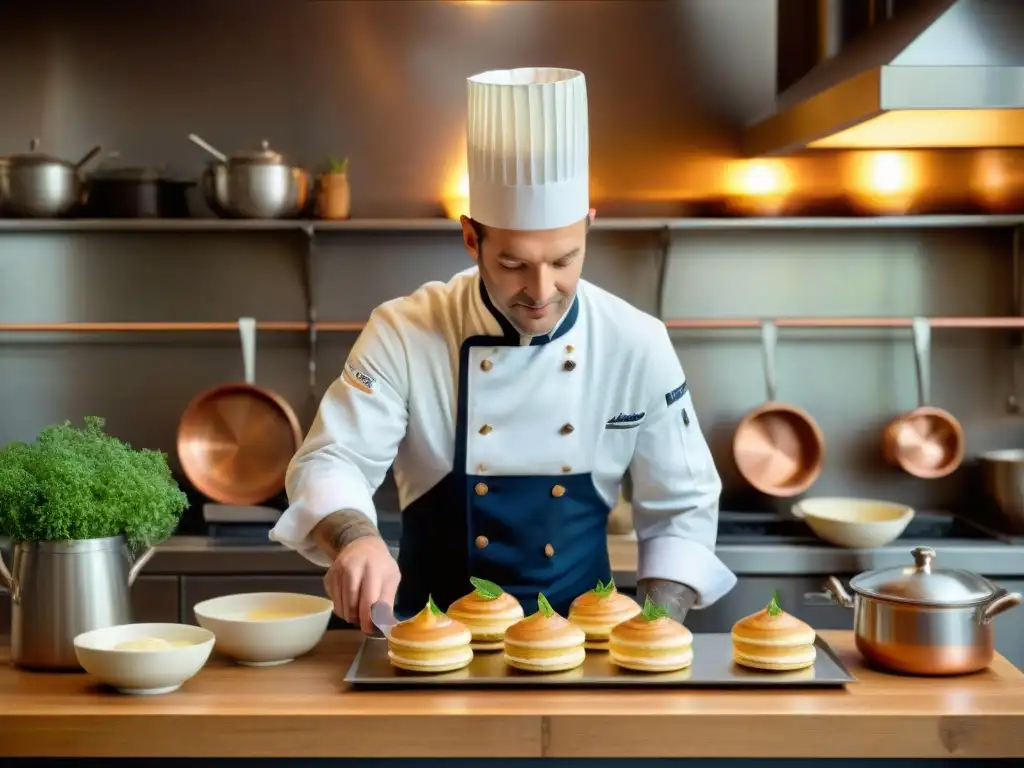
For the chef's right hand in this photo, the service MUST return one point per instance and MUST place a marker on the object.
(363, 573)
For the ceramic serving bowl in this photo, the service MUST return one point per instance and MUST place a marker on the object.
(263, 629)
(854, 523)
(144, 658)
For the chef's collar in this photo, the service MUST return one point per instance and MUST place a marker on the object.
(512, 335)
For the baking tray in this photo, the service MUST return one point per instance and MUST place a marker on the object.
(712, 667)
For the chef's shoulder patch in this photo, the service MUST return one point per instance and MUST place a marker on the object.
(355, 376)
(676, 394)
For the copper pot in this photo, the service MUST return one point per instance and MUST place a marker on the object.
(778, 448)
(927, 442)
(235, 440)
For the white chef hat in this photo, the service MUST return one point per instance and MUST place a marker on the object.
(528, 145)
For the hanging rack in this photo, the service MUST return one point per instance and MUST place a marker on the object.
(330, 326)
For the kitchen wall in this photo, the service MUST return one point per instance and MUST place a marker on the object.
(383, 82)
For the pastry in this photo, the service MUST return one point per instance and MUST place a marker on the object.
(429, 642)
(651, 641)
(486, 612)
(774, 640)
(544, 642)
(600, 609)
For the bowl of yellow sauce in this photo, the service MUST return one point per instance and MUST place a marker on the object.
(263, 629)
(144, 658)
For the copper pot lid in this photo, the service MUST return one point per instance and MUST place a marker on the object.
(923, 584)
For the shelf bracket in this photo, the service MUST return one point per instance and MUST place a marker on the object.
(664, 254)
(309, 282)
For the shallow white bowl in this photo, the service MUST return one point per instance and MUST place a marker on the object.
(265, 642)
(144, 672)
(855, 523)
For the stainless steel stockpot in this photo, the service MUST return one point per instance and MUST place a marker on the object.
(924, 620)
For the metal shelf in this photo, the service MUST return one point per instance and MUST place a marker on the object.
(450, 225)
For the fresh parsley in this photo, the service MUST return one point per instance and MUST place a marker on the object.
(488, 590)
(652, 611)
(433, 606)
(774, 609)
(544, 606)
(602, 589)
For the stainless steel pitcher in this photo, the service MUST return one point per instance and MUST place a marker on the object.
(60, 589)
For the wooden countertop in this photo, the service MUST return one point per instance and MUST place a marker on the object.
(304, 709)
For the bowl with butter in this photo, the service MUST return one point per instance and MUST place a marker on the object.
(144, 658)
(264, 629)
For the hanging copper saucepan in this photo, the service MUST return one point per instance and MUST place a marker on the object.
(235, 440)
(927, 442)
(778, 448)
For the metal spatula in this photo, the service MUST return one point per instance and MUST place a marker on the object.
(383, 618)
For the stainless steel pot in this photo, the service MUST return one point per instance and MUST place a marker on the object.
(60, 589)
(922, 620)
(1002, 473)
(37, 185)
(254, 185)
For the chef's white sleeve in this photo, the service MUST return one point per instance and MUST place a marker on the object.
(676, 487)
(353, 441)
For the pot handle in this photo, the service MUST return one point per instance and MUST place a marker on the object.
(1004, 602)
(769, 340)
(834, 587)
(139, 564)
(247, 334)
(88, 156)
(922, 359)
(9, 581)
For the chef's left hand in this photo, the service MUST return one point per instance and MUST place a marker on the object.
(674, 597)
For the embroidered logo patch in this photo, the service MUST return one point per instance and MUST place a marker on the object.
(676, 394)
(625, 421)
(362, 381)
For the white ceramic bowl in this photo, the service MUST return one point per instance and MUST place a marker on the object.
(262, 629)
(855, 523)
(144, 672)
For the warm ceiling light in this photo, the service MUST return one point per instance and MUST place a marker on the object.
(758, 178)
(936, 129)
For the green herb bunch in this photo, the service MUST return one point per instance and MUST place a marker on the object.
(80, 483)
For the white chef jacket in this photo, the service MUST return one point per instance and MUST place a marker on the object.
(441, 386)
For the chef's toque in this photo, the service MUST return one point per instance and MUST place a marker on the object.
(528, 145)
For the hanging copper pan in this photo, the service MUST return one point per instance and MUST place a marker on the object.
(927, 442)
(235, 440)
(778, 448)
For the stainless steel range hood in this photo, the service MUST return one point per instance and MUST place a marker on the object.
(945, 74)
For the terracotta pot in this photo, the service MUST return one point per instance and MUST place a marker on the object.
(778, 448)
(334, 196)
(927, 442)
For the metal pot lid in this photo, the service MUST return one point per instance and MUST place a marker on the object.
(924, 584)
(262, 156)
(35, 157)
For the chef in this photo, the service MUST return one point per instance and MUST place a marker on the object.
(510, 400)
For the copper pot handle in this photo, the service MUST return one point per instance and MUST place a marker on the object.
(247, 332)
(769, 340)
(1004, 602)
(922, 359)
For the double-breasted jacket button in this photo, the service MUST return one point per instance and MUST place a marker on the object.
(569, 348)
(486, 365)
(567, 469)
(481, 542)
(549, 550)
(569, 365)
(558, 490)
(486, 429)
(481, 489)
(481, 467)
(567, 429)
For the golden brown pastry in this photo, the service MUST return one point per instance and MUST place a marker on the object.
(486, 612)
(596, 612)
(773, 640)
(544, 642)
(430, 642)
(651, 641)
